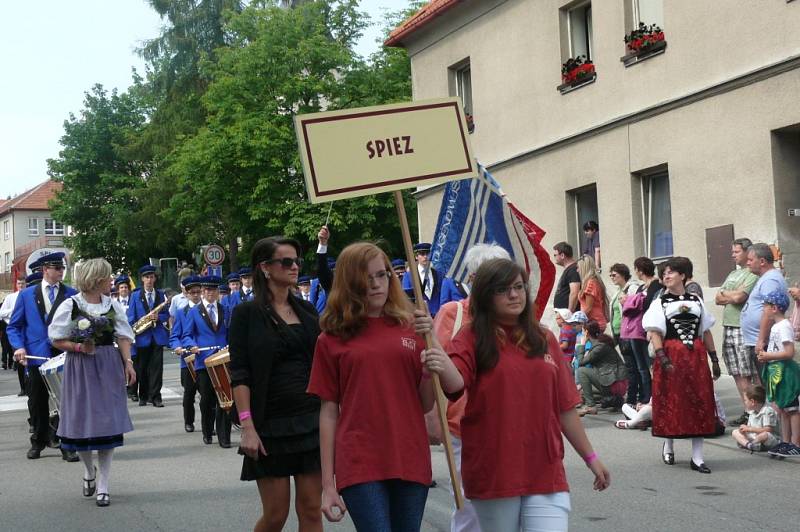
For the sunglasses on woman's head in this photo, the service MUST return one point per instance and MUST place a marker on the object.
(286, 262)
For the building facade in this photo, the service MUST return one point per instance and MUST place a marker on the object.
(674, 149)
(25, 226)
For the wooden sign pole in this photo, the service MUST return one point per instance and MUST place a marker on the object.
(441, 401)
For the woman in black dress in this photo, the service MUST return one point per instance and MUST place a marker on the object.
(272, 340)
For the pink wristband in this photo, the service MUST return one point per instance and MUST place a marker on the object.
(589, 458)
(244, 415)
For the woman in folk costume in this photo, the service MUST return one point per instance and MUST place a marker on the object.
(679, 326)
(94, 410)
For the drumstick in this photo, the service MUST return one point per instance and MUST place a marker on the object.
(36, 358)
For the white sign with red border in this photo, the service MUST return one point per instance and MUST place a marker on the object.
(214, 255)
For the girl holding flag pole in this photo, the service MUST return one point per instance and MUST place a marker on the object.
(521, 400)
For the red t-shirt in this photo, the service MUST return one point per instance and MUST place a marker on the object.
(375, 378)
(511, 431)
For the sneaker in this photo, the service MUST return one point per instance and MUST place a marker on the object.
(741, 420)
(787, 450)
(775, 450)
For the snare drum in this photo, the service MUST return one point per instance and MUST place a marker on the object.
(189, 359)
(53, 375)
(217, 366)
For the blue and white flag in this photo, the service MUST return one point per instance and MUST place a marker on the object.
(476, 211)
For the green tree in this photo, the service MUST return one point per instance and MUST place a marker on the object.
(99, 180)
(241, 170)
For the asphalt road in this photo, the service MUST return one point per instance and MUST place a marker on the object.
(165, 479)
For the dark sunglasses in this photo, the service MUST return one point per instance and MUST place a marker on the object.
(55, 266)
(286, 262)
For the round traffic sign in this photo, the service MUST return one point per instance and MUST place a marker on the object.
(214, 255)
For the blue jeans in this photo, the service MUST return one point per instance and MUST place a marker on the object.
(641, 358)
(386, 505)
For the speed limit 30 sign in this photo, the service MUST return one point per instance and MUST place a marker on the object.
(214, 255)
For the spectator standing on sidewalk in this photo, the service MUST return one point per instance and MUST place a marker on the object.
(569, 285)
(755, 321)
(732, 296)
(591, 245)
(593, 295)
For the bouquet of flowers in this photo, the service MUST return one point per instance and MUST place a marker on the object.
(643, 37)
(91, 329)
(576, 69)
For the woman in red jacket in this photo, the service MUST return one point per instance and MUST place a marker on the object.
(521, 399)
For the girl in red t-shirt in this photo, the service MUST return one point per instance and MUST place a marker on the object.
(368, 372)
(520, 400)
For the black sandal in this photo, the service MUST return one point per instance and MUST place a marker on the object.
(103, 500)
(89, 485)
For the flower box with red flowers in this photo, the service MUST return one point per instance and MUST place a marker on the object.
(576, 71)
(643, 42)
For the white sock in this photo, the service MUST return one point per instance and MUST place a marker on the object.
(104, 458)
(669, 445)
(697, 450)
(88, 466)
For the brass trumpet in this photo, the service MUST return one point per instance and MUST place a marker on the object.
(145, 322)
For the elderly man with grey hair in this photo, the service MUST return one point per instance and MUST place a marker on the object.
(452, 316)
(755, 322)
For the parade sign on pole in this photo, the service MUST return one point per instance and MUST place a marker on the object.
(214, 255)
(363, 151)
(357, 152)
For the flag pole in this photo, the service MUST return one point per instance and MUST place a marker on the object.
(441, 401)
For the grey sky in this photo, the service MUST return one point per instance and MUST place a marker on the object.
(54, 51)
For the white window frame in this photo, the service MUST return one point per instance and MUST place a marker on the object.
(637, 18)
(33, 231)
(57, 229)
(461, 73)
(8, 262)
(589, 32)
(647, 208)
(6, 229)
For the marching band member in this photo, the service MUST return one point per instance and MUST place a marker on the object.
(179, 301)
(304, 287)
(204, 327)
(123, 284)
(431, 279)
(272, 345)
(5, 316)
(191, 286)
(399, 267)
(246, 292)
(94, 410)
(234, 282)
(27, 332)
(149, 361)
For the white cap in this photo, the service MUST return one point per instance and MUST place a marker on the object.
(565, 314)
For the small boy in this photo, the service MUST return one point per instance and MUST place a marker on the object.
(567, 334)
(781, 374)
(757, 435)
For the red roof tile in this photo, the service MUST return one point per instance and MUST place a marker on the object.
(422, 17)
(34, 199)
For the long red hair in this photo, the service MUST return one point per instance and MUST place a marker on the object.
(346, 311)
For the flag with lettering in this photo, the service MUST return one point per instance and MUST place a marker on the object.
(477, 211)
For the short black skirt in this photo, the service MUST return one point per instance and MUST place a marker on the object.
(281, 465)
(292, 448)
